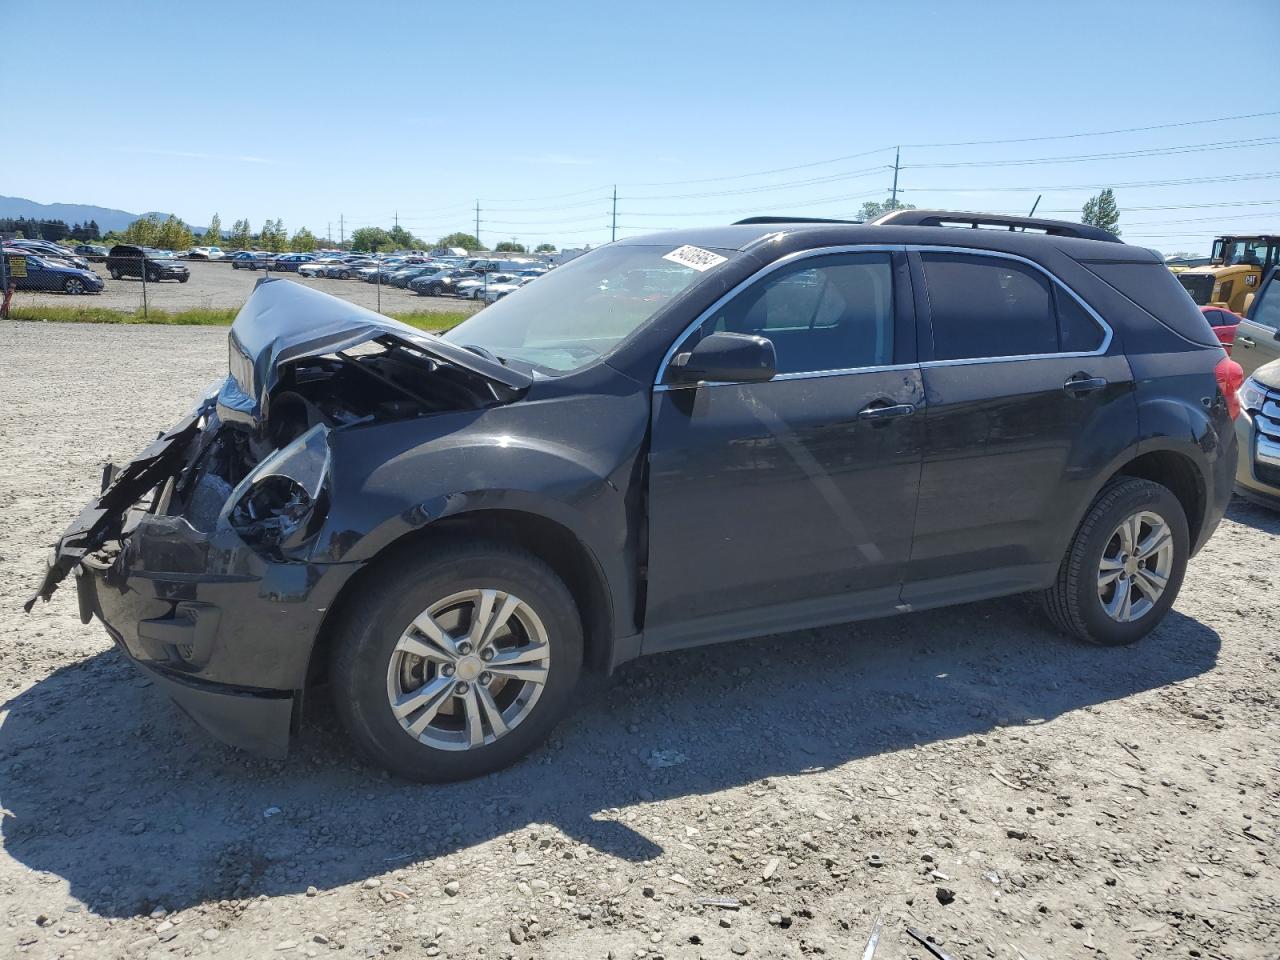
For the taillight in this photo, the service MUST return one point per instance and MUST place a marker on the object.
(1230, 376)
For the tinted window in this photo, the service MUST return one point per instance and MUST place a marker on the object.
(1153, 288)
(1267, 311)
(835, 313)
(1078, 332)
(988, 307)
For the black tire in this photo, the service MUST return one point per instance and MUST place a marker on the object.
(1073, 603)
(184, 279)
(115, 273)
(371, 626)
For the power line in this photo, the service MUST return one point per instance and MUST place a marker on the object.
(1185, 206)
(1096, 133)
(767, 188)
(1133, 184)
(1122, 155)
(762, 173)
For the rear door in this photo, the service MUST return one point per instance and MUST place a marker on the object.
(1026, 396)
(1256, 342)
(790, 503)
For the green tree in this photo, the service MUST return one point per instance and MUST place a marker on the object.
(371, 238)
(402, 239)
(213, 234)
(510, 246)
(241, 235)
(545, 248)
(464, 240)
(174, 235)
(304, 241)
(273, 236)
(872, 210)
(143, 232)
(1101, 211)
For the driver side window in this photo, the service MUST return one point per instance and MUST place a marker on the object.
(828, 313)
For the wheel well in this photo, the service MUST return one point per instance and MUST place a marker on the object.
(1179, 474)
(549, 541)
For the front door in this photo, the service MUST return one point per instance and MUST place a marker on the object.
(790, 501)
(1256, 342)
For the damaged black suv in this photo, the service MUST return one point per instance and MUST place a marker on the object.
(673, 440)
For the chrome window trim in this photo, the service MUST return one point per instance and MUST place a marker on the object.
(798, 255)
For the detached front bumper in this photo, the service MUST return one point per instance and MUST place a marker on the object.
(224, 630)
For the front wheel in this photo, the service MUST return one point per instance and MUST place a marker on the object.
(1124, 566)
(115, 273)
(73, 286)
(457, 664)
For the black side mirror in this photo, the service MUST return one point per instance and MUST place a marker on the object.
(725, 358)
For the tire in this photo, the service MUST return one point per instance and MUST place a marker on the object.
(367, 671)
(115, 273)
(184, 279)
(73, 287)
(344, 275)
(1077, 603)
(235, 264)
(153, 277)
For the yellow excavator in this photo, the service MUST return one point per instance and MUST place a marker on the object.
(1234, 271)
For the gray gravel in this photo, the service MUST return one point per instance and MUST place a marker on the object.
(217, 285)
(1076, 802)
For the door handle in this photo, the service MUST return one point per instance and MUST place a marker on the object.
(886, 412)
(1080, 384)
(1245, 341)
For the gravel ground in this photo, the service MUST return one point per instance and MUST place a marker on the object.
(218, 285)
(967, 772)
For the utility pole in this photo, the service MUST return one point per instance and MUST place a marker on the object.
(613, 234)
(893, 197)
(478, 224)
(397, 215)
(328, 232)
(342, 233)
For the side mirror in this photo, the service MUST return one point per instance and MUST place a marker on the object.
(725, 358)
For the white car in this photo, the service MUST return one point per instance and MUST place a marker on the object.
(496, 291)
(206, 253)
(474, 289)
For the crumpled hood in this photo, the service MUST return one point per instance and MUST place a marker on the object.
(283, 321)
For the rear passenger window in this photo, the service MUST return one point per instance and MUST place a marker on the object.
(1078, 332)
(988, 307)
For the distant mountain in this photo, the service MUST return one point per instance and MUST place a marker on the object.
(108, 219)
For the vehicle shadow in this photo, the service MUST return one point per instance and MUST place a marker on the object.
(1254, 515)
(105, 784)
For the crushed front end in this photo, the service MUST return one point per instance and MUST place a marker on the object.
(202, 555)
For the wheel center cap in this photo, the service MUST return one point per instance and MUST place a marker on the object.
(1131, 566)
(469, 668)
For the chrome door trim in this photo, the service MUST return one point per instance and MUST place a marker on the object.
(798, 255)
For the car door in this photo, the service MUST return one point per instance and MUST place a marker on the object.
(1027, 399)
(789, 503)
(1256, 342)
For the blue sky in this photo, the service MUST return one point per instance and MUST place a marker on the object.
(312, 110)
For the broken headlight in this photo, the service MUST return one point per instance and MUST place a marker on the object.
(282, 502)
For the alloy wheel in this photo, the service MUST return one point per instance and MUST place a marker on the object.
(74, 287)
(469, 669)
(1135, 566)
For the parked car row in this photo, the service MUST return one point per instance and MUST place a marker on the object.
(44, 266)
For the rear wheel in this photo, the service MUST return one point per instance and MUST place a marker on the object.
(1124, 567)
(457, 664)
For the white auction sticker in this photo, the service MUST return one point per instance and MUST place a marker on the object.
(695, 257)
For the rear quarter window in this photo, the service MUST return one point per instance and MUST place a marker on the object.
(1152, 288)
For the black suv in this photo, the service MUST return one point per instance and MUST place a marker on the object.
(673, 440)
(126, 260)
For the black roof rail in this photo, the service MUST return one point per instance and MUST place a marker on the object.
(750, 220)
(959, 218)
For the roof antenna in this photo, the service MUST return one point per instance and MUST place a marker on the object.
(1034, 205)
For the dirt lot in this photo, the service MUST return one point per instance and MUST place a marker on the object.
(968, 772)
(218, 285)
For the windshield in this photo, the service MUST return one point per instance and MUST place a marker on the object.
(578, 313)
(1246, 252)
(157, 254)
